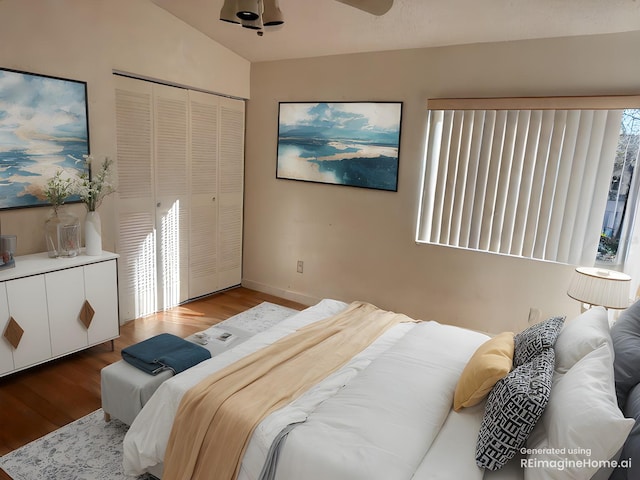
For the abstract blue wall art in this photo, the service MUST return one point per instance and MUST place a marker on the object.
(43, 128)
(341, 143)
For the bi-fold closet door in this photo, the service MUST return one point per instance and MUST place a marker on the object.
(180, 190)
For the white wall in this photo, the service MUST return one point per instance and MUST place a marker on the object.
(87, 40)
(358, 243)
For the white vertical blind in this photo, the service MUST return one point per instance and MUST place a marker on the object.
(601, 189)
(494, 154)
(472, 179)
(481, 183)
(523, 182)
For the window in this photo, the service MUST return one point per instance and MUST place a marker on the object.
(531, 177)
(623, 192)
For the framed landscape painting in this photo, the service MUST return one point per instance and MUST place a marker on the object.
(341, 143)
(43, 128)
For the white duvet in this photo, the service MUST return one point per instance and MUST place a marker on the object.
(385, 415)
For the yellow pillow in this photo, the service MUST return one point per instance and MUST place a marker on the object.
(490, 362)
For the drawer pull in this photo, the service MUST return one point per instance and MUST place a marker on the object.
(86, 314)
(13, 333)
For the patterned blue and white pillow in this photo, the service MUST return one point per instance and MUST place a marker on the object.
(514, 406)
(532, 341)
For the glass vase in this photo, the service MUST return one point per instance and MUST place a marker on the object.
(62, 234)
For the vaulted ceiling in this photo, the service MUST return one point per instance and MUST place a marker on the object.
(326, 27)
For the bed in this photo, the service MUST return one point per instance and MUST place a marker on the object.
(386, 413)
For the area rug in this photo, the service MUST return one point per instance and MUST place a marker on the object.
(87, 449)
(90, 448)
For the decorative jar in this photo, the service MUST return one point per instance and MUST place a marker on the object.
(62, 234)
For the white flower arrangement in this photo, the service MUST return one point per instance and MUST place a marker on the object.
(58, 189)
(92, 189)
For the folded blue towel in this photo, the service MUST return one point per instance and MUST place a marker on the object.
(164, 352)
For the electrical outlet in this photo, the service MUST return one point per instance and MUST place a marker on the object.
(300, 266)
(534, 315)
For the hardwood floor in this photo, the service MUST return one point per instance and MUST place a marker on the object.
(41, 399)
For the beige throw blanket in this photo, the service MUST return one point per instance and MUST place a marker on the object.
(216, 418)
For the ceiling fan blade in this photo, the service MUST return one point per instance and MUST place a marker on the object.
(374, 7)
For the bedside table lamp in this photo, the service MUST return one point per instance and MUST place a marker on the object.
(600, 287)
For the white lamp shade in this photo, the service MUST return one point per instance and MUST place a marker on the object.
(597, 286)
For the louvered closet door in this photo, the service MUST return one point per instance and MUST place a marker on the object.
(231, 182)
(172, 200)
(136, 240)
(180, 192)
(203, 231)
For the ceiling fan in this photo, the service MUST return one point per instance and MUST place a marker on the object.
(259, 14)
(374, 7)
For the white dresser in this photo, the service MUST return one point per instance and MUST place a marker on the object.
(50, 307)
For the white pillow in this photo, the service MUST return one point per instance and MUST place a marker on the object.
(582, 422)
(580, 336)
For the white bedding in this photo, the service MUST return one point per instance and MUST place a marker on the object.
(407, 377)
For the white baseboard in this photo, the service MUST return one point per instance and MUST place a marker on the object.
(279, 292)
